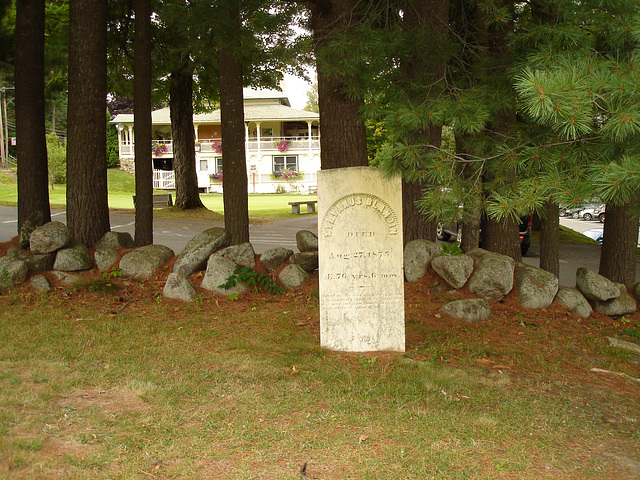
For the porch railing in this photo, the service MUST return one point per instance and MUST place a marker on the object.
(164, 179)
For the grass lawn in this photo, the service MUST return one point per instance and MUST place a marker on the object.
(262, 208)
(123, 385)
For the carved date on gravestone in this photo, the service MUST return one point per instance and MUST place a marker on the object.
(360, 260)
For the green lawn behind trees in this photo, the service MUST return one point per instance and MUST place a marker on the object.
(122, 188)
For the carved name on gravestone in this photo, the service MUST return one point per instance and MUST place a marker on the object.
(360, 260)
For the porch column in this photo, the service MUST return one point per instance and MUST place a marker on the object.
(196, 127)
(309, 122)
(246, 136)
(258, 135)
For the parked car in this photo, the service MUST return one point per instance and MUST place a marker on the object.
(592, 212)
(594, 234)
(449, 232)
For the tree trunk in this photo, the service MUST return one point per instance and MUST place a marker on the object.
(501, 237)
(422, 69)
(142, 123)
(33, 193)
(87, 204)
(549, 241)
(183, 134)
(234, 183)
(618, 255)
(343, 141)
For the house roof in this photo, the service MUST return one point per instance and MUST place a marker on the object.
(252, 113)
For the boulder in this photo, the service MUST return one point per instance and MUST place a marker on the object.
(292, 276)
(105, 257)
(38, 262)
(595, 287)
(242, 254)
(73, 258)
(219, 269)
(308, 261)
(536, 287)
(471, 310)
(12, 271)
(275, 257)
(66, 277)
(492, 276)
(41, 284)
(418, 255)
(35, 220)
(454, 269)
(144, 261)
(306, 241)
(49, 237)
(573, 299)
(195, 254)
(623, 304)
(179, 288)
(116, 240)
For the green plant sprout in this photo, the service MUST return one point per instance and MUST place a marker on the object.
(251, 278)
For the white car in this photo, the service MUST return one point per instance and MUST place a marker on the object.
(592, 212)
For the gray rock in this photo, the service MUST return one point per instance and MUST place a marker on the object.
(219, 269)
(595, 287)
(179, 288)
(292, 276)
(105, 257)
(73, 258)
(49, 237)
(116, 240)
(12, 271)
(573, 299)
(38, 263)
(536, 287)
(492, 276)
(471, 310)
(454, 269)
(35, 220)
(308, 261)
(623, 304)
(41, 284)
(144, 261)
(275, 257)
(306, 241)
(195, 254)
(13, 253)
(242, 254)
(66, 277)
(418, 255)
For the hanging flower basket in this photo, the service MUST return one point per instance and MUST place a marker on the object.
(215, 177)
(282, 146)
(159, 149)
(216, 145)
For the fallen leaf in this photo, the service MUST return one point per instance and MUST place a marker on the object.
(362, 438)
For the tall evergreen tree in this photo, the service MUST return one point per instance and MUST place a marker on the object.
(142, 123)
(87, 205)
(33, 193)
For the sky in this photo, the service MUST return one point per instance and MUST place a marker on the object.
(296, 89)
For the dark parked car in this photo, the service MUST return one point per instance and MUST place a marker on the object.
(449, 232)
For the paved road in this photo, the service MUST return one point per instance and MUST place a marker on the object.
(175, 233)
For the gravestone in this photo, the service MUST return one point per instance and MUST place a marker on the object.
(360, 260)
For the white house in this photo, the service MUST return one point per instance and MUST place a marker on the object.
(282, 146)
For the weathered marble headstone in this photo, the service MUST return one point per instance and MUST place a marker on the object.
(360, 260)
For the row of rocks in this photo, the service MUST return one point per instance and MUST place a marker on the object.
(487, 275)
(52, 248)
(491, 276)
